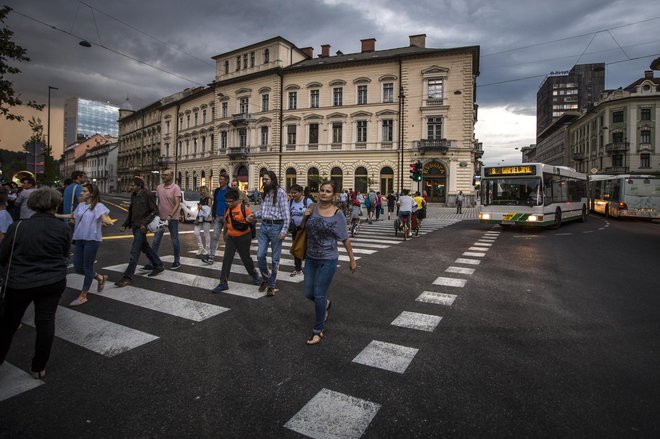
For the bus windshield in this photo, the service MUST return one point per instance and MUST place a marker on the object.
(512, 191)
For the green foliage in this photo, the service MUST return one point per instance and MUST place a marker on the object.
(10, 51)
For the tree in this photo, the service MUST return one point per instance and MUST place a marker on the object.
(10, 51)
(51, 168)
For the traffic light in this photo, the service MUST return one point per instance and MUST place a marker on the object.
(414, 171)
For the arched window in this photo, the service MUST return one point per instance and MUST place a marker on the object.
(361, 179)
(313, 179)
(386, 180)
(242, 177)
(337, 175)
(290, 178)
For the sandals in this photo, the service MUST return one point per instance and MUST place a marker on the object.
(315, 338)
(101, 283)
(78, 301)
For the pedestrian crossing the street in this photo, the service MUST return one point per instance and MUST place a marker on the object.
(163, 294)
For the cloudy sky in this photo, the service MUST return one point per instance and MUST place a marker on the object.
(521, 42)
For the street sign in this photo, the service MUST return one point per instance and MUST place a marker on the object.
(594, 170)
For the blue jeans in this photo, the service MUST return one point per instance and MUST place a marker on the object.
(218, 224)
(269, 233)
(141, 244)
(173, 227)
(318, 275)
(83, 260)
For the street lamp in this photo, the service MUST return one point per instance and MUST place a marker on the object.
(50, 87)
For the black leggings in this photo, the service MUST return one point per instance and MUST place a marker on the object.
(45, 298)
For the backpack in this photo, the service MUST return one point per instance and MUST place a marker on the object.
(367, 202)
(253, 228)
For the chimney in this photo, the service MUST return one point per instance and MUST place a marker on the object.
(418, 41)
(325, 50)
(309, 51)
(368, 45)
(648, 74)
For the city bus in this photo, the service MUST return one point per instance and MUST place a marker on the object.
(532, 194)
(629, 196)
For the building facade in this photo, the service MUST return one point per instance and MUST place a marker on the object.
(101, 166)
(358, 119)
(621, 134)
(575, 90)
(553, 144)
(73, 152)
(83, 118)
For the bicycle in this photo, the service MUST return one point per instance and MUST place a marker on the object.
(402, 225)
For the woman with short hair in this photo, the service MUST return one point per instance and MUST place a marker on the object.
(38, 248)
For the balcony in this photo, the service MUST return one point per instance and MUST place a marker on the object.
(432, 145)
(164, 161)
(616, 170)
(579, 156)
(434, 102)
(241, 119)
(237, 152)
(478, 153)
(617, 146)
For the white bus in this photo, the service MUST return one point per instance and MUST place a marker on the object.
(532, 194)
(631, 196)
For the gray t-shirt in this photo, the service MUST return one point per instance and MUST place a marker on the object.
(323, 234)
(26, 212)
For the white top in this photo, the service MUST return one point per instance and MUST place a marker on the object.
(204, 214)
(406, 203)
(5, 221)
(297, 210)
(88, 222)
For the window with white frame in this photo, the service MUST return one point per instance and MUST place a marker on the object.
(313, 133)
(645, 114)
(435, 89)
(264, 135)
(434, 128)
(387, 130)
(314, 98)
(645, 160)
(244, 105)
(337, 96)
(291, 134)
(264, 102)
(337, 128)
(361, 131)
(362, 94)
(388, 92)
(645, 136)
(293, 100)
(242, 137)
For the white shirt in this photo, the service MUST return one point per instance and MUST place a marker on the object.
(88, 222)
(5, 221)
(406, 203)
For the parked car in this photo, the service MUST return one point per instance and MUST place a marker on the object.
(189, 202)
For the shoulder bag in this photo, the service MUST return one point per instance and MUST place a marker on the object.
(4, 281)
(299, 246)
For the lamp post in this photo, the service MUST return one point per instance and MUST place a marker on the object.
(50, 87)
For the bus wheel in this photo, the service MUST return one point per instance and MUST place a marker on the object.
(557, 223)
(584, 217)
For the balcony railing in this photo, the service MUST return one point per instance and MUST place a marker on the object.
(617, 146)
(237, 152)
(435, 102)
(241, 118)
(428, 145)
(616, 170)
(478, 153)
(578, 156)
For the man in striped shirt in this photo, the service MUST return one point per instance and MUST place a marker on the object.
(275, 218)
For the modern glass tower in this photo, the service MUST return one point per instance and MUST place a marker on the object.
(83, 118)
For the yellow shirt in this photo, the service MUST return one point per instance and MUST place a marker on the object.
(419, 200)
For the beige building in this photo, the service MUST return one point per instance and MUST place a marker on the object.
(621, 134)
(359, 119)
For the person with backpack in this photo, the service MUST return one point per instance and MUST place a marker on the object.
(219, 208)
(237, 235)
(370, 204)
(297, 207)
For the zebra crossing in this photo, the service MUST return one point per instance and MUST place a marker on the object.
(110, 339)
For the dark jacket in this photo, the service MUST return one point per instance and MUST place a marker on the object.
(42, 245)
(142, 210)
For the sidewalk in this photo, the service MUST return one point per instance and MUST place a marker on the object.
(434, 210)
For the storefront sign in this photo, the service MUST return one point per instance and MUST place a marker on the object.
(439, 168)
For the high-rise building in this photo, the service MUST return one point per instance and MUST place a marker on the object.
(571, 91)
(83, 118)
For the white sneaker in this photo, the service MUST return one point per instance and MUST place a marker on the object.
(295, 273)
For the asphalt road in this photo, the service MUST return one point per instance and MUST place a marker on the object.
(554, 333)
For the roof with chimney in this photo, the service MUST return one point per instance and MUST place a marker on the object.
(648, 76)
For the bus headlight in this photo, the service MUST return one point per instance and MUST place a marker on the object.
(534, 218)
(484, 216)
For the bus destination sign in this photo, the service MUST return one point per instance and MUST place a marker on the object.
(510, 170)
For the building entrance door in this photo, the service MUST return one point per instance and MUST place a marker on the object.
(435, 182)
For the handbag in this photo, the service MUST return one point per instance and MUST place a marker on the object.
(4, 281)
(299, 246)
